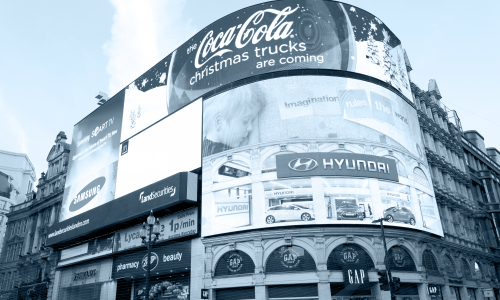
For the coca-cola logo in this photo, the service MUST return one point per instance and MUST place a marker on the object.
(245, 33)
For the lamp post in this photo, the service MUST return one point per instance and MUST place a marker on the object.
(153, 227)
(388, 269)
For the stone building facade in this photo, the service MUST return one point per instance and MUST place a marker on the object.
(17, 175)
(27, 266)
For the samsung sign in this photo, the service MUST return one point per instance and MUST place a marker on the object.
(181, 187)
(336, 164)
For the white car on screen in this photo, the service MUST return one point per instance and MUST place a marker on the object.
(288, 212)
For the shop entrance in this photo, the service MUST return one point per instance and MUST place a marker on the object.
(455, 293)
(293, 292)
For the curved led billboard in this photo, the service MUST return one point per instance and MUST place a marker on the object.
(313, 150)
(269, 37)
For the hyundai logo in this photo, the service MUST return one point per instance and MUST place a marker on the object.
(302, 164)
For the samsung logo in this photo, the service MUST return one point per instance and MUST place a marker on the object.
(302, 164)
(89, 192)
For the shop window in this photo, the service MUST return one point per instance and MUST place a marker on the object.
(449, 266)
(347, 254)
(296, 291)
(339, 292)
(290, 259)
(234, 263)
(400, 260)
(86, 291)
(420, 177)
(241, 293)
(164, 287)
(429, 262)
(354, 262)
(407, 291)
(466, 269)
(471, 293)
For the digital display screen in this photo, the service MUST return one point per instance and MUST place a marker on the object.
(313, 150)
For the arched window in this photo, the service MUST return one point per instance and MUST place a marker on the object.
(234, 263)
(449, 266)
(290, 259)
(466, 269)
(420, 177)
(349, 254)
(400, 260)
(477, 270)
(429, 262)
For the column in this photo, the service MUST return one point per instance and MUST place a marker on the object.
(261, 292)
(423, 293)
(52, 215)
(324, 291)
(445, 289)
(36, 233)
(463, 293)
(377, 292)
(55, 284)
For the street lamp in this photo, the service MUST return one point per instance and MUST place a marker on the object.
(153, 225)
(386, 261)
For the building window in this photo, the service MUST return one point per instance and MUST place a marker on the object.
(290, 259)
(400, 260)
(430, 262)
(466, 270)
(234, 263)
(420, 177)
(477, 270)
(449, 266)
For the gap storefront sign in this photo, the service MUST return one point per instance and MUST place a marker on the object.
(173, 258)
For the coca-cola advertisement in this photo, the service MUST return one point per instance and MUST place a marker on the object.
(269, 37)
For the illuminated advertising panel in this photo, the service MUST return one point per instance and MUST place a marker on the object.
(269, 37)
(313, 150)
(93, 163)
(170, 146)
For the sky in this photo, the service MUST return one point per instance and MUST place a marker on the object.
(55, 57)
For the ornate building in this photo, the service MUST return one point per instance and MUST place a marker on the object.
(17, 175)
(27, 266)
(468, 254)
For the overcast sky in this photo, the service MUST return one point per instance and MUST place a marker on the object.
(55, 56)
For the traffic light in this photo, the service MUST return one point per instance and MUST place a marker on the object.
(383, 280)
(396, 284)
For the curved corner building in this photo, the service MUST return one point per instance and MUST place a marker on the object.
(310, 136)
(302, 117)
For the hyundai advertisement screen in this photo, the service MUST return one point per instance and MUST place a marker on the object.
(313, 150)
